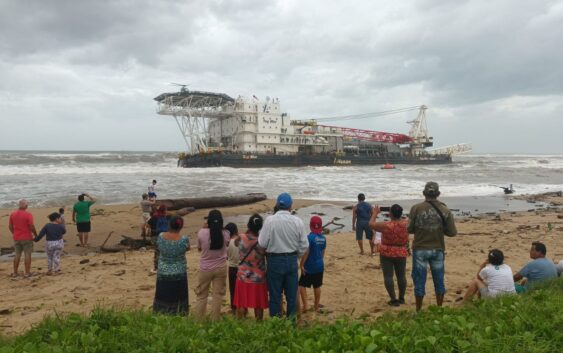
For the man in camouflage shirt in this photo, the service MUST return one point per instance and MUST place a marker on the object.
(429, 222)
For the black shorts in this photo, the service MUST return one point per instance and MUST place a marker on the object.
(314, 279)
(83, 227)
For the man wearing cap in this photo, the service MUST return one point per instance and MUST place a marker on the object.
(284, 238)
(430, 221)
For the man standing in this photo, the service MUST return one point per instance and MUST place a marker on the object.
(284, 238)
(430, 221)
(361, 214)
(146, 208)
(537, 270)
(81, 216)
(23, 231)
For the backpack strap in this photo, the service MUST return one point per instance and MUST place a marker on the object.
(439, 213)
(248, 253)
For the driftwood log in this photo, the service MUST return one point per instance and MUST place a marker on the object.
(211, 202)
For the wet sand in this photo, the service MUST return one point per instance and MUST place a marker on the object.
(353, 284)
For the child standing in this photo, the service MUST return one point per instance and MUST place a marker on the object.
(54, 231)
(233, 258)
(312, 263)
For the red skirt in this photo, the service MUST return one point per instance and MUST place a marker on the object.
(251, 295)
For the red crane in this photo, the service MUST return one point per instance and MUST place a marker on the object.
(370, 135)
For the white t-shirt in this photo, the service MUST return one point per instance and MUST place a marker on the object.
(499, 279)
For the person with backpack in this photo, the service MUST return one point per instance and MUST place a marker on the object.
(430, 221)
(159, 224)
(251, 289)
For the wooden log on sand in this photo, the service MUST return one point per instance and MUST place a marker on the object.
(211, 202)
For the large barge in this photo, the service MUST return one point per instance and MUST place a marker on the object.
(223, 131)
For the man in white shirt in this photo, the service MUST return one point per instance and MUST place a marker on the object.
(284, 237)
(494, 278)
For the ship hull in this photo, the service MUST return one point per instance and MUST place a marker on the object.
(273, 161)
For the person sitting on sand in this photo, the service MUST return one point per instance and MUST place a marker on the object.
(212, 242)
(171, 295)
(494, 278)
(21, 226)
(81, 216)
(233, 259)
(54, 231)
(312, 264)
(361, 214)
(537, 270)
(393, 251)
(251, 290)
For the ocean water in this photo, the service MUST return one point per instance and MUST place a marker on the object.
(56, 178)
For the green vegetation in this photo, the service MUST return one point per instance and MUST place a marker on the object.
(529, 323)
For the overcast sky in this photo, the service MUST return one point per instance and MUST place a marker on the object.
(82, 75)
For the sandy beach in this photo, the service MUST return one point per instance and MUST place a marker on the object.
(353, 284)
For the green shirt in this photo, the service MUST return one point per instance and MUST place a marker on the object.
(82, 210)
(426, 225)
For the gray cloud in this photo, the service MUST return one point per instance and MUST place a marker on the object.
(96, 65)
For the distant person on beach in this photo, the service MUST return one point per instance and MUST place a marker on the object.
(233, 258)
(146, 209)
(158, 223)
(430, 221)
(284, 238)
(171, 295)
(537, 270)
(361, 214)
(81, 216)
(22, 228)
(152, 192)
(251, 291)
(62, 214)
(494, 278)
(212, 242)
(54, 231)
(394, 250)
(312, 264)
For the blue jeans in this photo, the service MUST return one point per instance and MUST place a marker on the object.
(421, 259)
(282, 275)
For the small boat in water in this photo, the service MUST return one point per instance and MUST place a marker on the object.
(388, 166)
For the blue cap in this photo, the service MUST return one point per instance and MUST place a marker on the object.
(284, 201)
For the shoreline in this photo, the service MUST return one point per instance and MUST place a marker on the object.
(353, 284)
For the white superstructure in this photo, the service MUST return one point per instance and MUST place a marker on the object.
(256, 126)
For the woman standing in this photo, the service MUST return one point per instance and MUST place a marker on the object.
(171, 295)
(251, 290)
(212, 242)
(393, 251)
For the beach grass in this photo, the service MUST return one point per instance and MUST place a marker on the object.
(530, 323)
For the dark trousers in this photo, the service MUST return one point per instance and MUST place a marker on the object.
(232, 282)
(398, 265)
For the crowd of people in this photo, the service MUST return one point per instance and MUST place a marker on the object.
(275, 259)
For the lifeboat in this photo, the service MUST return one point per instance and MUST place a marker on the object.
(388, 166)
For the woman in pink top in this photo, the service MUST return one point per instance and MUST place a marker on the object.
(212, 242)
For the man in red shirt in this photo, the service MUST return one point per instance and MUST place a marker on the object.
(22, 228)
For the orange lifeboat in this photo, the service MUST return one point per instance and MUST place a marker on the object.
(388, 166)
